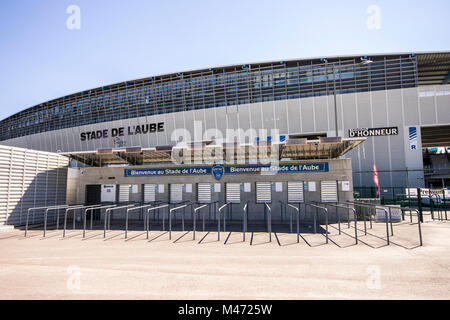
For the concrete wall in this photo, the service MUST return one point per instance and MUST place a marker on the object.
(422, 106)
(339, 170)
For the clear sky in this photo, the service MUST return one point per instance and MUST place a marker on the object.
(118, 40)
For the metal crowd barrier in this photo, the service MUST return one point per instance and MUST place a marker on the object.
(218, 219)
(197, 210)
(244, 221)
(182, 217)
(269, 219)
(74, 208)
(147, 216)
(92, 215)
(40, 208)
(337, 206)
(298, 220)
(375, 206)
(403, 209)
(128, 212)
(315, 217)
(108, 216)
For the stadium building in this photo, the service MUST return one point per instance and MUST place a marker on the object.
(388, 110)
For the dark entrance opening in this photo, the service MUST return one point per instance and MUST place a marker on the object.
(93, 196)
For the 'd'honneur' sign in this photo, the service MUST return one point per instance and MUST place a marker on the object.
(120, 132)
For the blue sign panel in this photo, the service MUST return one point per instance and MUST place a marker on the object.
(218, 171)
(413, 138)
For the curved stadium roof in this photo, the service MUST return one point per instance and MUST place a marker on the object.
(226, 85)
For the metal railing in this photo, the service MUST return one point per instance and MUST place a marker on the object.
(268, 210)
(107, 217)
(74, 208)
(298, 220)
(196, 210)
(170, 217)
(375, 206)
(40, 208)
(244, 221)
(147, 216)
(419, 220)
(218, 220)
(337, 206)
(127, 214)
(92, 216)
(315, 217)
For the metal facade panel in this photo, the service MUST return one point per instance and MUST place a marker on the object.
(29, 179)
(263, 192)
(176, 193)
(328, 191)
(233, 192)
(321, 113)
(307, 114)
(204, 192)
(149, 193)
(295, 191)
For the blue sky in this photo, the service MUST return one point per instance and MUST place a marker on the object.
(41, 59)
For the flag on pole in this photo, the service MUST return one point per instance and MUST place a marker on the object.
(375, 179)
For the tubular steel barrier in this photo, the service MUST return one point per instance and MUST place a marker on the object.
(170, 217)
(92, 209)
(218, 220)
(298, 219)
(326, 217)
(387, 216)
(128, 212)
(196, 210)
(74, 208)
(269, 219)
(147, 216)
(107, 217)
(40, 208)
(348, 214)
(46, 216)
(244, 221)
(419, 218)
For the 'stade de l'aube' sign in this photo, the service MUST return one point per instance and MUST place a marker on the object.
(120, 132)
(373, 132)
(244, 169)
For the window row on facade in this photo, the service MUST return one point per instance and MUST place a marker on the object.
(185, 92)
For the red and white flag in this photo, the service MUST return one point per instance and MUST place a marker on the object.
(375, 179)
